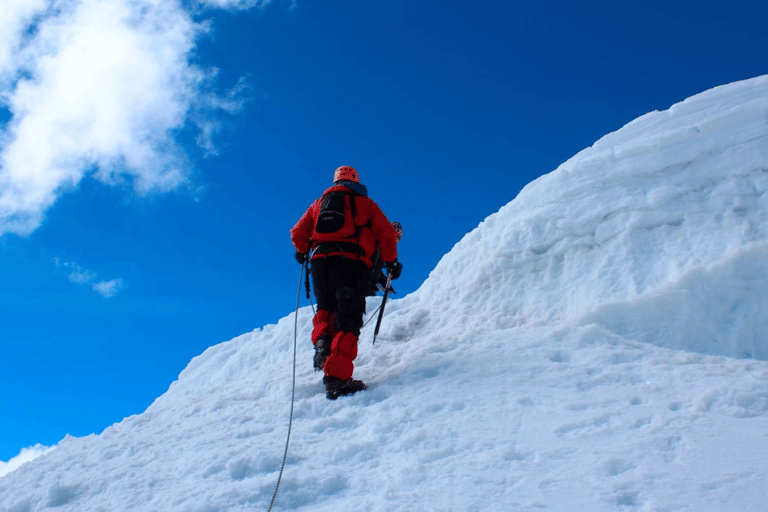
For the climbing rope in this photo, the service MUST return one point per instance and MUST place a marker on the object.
(293, 389)
(372, 316)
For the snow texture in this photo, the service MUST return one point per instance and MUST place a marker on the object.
(599, 344)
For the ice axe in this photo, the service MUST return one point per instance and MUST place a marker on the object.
(381, 309)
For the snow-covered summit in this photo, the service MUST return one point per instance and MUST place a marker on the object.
(597, 344)
(645, 222)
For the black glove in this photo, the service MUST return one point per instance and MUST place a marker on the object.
(394, 268)
(301, 257)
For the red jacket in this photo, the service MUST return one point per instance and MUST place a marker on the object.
(375, 231)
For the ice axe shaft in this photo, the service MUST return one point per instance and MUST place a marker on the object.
(383, 305)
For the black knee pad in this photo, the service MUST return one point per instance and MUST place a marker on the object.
(349, 300)
(351, 305)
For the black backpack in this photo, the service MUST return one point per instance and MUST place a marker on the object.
(336, 220)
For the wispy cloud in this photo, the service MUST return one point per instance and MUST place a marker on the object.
(108, 288)
(26, 455)
(101, 88)
(236, 4)
(79, 275)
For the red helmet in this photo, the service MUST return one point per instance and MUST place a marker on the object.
(346, 173)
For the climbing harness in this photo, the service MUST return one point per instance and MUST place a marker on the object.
(293, 389)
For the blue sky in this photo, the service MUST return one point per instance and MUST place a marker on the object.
(153, 158)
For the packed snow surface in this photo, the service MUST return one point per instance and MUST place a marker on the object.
(600, 343)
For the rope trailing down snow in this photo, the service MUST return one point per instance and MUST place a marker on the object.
(293, 390)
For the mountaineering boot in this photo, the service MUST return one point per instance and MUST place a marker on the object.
(335, 387)
(322, 351)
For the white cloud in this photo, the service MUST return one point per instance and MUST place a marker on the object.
(15, 17)
(108, 289)
(79, 275)
(99, 88)
(235, 4)
(26, 455)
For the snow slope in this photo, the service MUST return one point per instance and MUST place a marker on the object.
(598, 344)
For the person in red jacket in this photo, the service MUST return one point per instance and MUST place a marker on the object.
(339, 234)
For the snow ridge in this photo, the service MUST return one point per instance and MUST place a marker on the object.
(671, 193)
